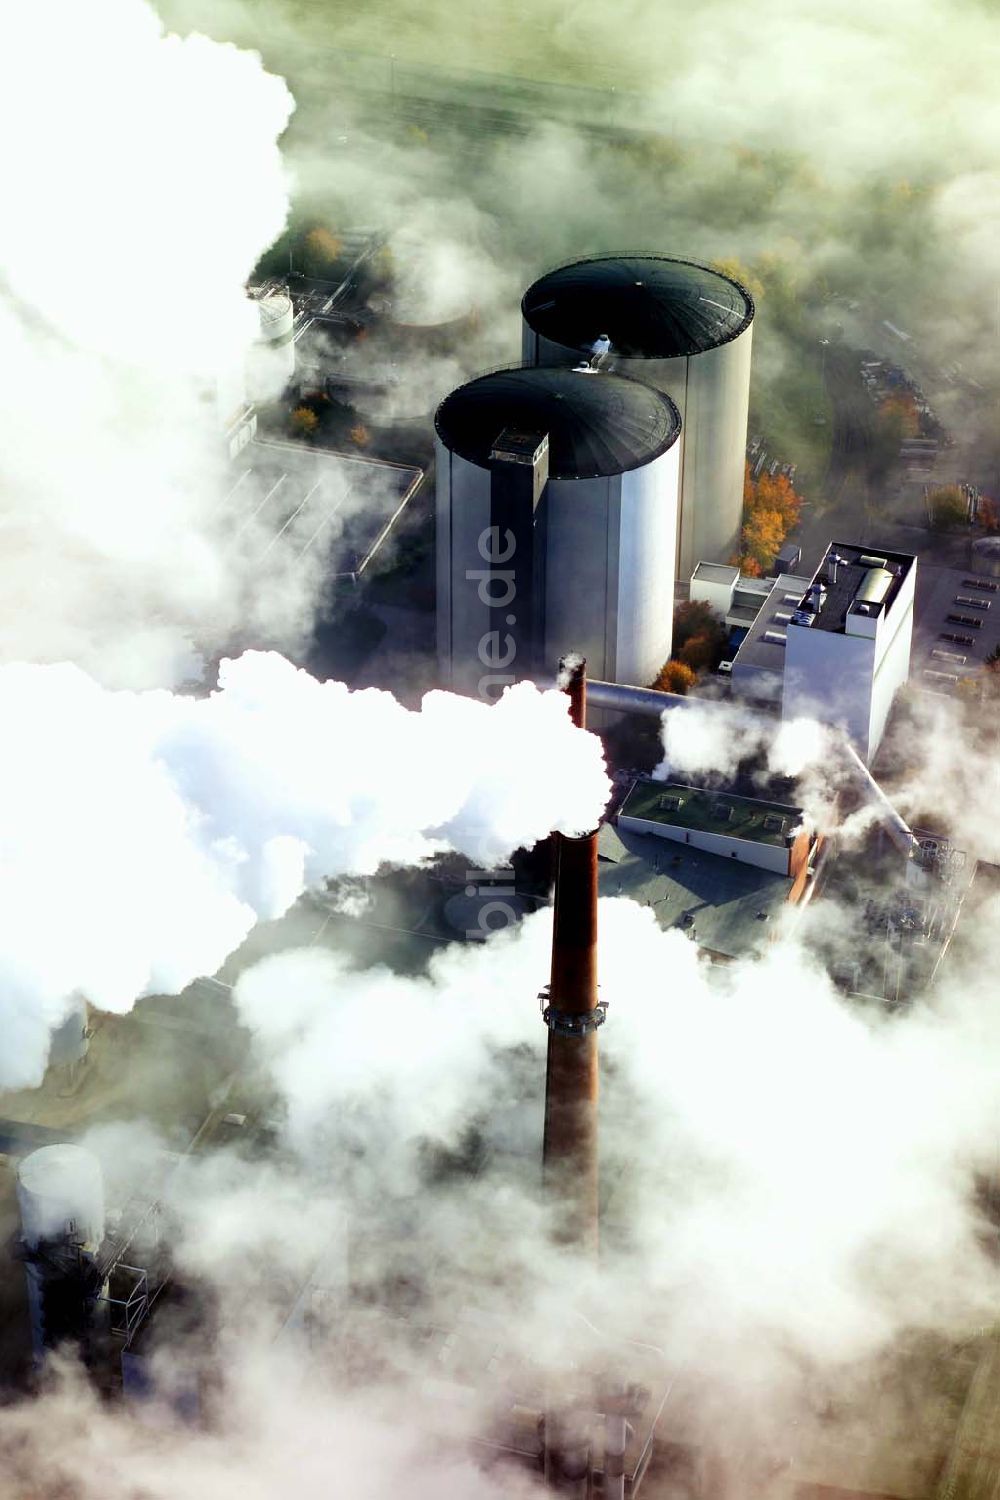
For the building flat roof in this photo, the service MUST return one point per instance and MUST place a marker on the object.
(774, 616)
(679, 806)
(843, 571)
(727, 907)
(710, 572)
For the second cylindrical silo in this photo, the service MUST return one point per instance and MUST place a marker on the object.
(684, 329)
(556, 524)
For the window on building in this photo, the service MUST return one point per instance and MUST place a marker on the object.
(983, 584)
(969, 620)
(951, 677)
(957, 640)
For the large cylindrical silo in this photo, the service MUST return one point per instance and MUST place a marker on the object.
(60, 1194)
(556, 524)
(684, 329)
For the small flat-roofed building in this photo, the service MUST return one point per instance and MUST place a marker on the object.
(714, 584)
(847, 647)
(769, 835)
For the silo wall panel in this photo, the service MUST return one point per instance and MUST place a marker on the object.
(465, 616)
(715, 438)
(646, 565)
(581, 571)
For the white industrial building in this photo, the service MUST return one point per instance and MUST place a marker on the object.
(847, 643)
(833, 646)
(557, 495)
(684, 329)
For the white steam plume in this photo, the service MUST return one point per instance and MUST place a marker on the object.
(804, 1183)
(713, 738)
(144, 184)
(142, 835)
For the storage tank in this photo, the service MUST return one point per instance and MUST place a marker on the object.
(71, 1039)
(272, 360)
(60, 1194)
(557, 496)
(684, 329)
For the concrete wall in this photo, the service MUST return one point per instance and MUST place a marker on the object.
(466, 622)
(582, 519)
(850, 680)
(646, 569)
(758, 684)
(776, 857)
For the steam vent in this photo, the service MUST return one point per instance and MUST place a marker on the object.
(557, 493)
(685, 330)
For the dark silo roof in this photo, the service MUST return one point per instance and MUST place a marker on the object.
(649, 306)
(597, 425)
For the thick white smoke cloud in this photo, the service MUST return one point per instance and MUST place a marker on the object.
(142, 184)
(803, 1187)
(142, 835)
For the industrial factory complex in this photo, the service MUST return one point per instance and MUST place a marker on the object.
(561, 509)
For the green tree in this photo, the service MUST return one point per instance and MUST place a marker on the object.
(947, 508)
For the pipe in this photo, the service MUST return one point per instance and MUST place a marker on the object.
(895, 825)
(621, 698)
(615, 1440)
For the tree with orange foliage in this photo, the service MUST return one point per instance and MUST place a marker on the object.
(360, 436)
(899, 414)
(699, 653)
(988, 514)
(771, 509)
(699, 635)
(304, 421)
(674, 677)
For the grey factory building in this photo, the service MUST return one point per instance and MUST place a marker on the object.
(684, 329)
(556, 517)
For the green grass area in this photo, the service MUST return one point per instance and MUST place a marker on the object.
(710, 812)
(793, 410)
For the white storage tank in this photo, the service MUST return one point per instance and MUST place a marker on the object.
(556, 525)
(71, 1039)
(684, 329)
(272, 360)
(60, 1194)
